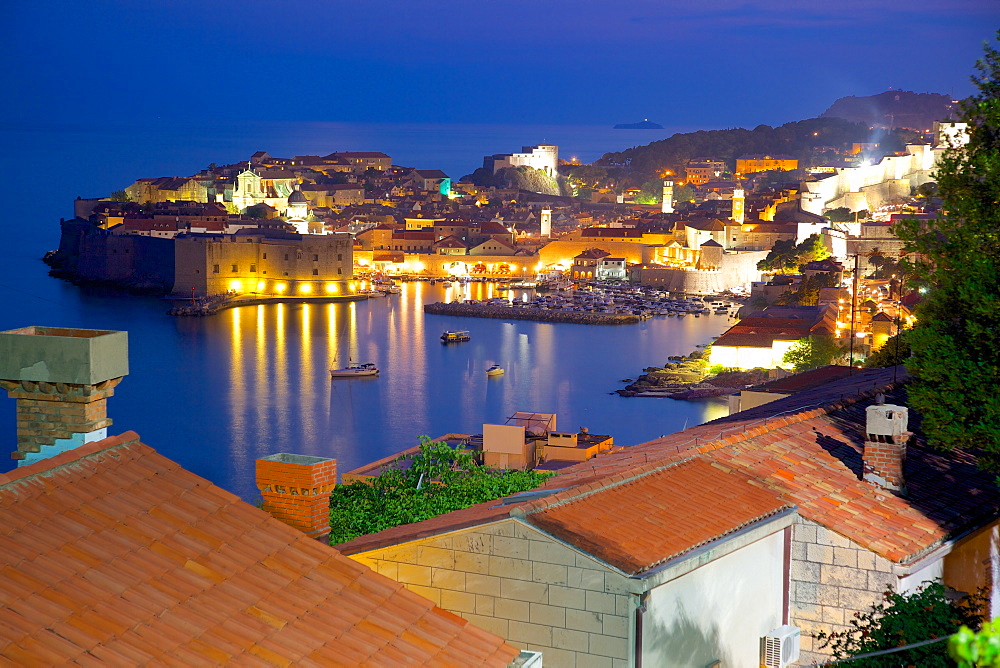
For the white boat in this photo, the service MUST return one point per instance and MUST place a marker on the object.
(355, 369)
(495, 370)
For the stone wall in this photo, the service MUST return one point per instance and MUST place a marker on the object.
(517, 582)
(831, 578)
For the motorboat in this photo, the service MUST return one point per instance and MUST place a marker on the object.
(495, 370)
(354, 370)
(455, 336)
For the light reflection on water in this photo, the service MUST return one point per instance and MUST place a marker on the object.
(276, 394)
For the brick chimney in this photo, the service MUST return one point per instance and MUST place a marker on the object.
(885, 446)
(61, 380)
(296, 490)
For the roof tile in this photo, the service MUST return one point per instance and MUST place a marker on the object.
(140, 560)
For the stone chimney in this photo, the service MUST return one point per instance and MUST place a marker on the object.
(885, 446)
(296, 490)
(61, 380)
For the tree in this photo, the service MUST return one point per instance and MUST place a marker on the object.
(435, 480)
(652, 192)
(895, 350)
(781, 258)
(970, 649)
(905, 619)
(119, 196)
(841, 214)
(811, 249)
(812, 352)
(956, 343)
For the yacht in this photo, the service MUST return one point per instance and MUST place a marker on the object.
(355, 369)
(495, 370)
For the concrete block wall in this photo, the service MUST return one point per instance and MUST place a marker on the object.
(831, 578)
(519, 583)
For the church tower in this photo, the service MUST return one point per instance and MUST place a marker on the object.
(546, 223)
(738, 204)
(668, 197)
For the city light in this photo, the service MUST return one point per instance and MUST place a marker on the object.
(236, 286)
(305, 288)
(280, 287)
(331, 288)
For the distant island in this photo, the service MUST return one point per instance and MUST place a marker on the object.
(644, 124)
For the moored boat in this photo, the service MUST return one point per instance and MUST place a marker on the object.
(456, 336)
(355, 369)
(495, 370)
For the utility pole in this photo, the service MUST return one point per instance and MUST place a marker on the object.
(854, 300)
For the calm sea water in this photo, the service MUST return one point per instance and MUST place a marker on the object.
(216, 393)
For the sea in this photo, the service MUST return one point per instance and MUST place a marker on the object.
(217, 393)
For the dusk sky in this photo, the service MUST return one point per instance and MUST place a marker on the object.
(712, 64)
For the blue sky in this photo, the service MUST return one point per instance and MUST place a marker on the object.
(717, 63)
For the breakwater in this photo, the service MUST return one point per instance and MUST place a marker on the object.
(526, 313)
(214, 304)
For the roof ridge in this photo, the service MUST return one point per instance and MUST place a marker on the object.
(648, 468)
(588, 489)
(67, 457)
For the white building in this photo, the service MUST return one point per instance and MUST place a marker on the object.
(544, 157)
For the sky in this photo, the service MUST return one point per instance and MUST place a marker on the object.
(716, 63)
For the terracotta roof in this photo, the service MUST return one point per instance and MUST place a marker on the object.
(806, 449)
(647, 520)
(806, 380)
(115, 554)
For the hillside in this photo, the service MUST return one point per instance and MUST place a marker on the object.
(893, 109)
(800, 139)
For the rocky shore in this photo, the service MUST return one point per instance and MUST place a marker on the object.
(688, 378)
(523, 313)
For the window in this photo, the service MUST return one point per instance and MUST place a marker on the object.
(315, 272)
(264, 256)
(235, 268)
(315, 258)
(215, 269)
(339, 270)
(286, 257)
(253, 269)
(340, 257)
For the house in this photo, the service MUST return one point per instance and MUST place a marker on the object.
(691, 548)
(116, 555)
(585, 265)
(758, 162)
(761, 339)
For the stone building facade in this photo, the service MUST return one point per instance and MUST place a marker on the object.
(518, 582)
(273, 264)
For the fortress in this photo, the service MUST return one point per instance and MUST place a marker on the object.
(869, 187)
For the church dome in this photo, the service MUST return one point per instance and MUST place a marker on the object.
(297, 197)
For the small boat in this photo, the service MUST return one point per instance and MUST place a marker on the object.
(355, 369)
(456, 336)
(495, 370)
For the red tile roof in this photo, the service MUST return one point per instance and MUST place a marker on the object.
(805, 449)
(649, 519)
(112, 553)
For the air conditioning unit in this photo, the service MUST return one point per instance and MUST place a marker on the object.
(780, 647)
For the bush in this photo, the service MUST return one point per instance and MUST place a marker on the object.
(905, 619)
(437, 480)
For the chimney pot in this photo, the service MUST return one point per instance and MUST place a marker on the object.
(61, 379)
(296, 490)
(885, 446)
